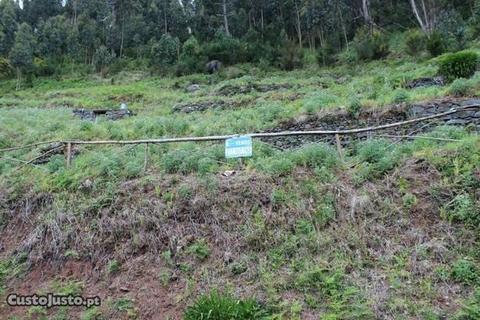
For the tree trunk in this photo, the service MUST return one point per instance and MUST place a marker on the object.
(299, 26)
(19, 79)
(225, 17)
(426, 23)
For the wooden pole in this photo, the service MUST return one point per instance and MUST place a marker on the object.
(339, 147)
(69, 154)
(146, 158)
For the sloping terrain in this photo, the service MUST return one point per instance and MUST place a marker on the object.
(388, 230)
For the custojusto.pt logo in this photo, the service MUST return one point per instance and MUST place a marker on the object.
(52, 300)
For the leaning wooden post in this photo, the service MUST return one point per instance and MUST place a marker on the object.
(69, 154)
(146, 158)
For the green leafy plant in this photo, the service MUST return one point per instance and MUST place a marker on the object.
(200, 249)
(435, 44)
(460, 87)
(415, 42)
(458, 65)
(221, 306)
(466, 272)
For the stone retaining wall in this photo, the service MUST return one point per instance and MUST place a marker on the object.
(341, 120)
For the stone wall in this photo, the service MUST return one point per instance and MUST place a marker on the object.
(341, 120)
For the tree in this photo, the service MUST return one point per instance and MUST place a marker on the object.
(21, 55)
(8, 26)
(426, 12)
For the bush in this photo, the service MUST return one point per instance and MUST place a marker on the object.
(435, 44)
(164, 53)
(218, 306)
(464, 210)
(192, 59)
(325, 56)
(102, 59)
(458, 65)
(6, 69)
(460, 87)
(401, 96)
(371, 45)
(354, 107)
(466, 272)
(225, 48)
(291, 56)
(415, 42)
(200, 250)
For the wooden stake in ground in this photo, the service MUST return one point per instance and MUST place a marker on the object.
(146, 158)
(69, 154)
(339, 147)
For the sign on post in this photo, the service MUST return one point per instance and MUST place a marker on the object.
(238, 147)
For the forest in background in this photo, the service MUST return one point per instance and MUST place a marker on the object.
(46, 37)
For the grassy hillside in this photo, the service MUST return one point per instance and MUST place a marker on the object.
(389, 231)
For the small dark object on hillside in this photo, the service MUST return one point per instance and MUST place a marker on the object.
(425, 82)
(214, 66)
(113, 115)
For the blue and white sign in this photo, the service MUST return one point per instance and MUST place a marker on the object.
(238, 147)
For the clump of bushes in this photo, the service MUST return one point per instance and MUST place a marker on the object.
(164, 53)
(435, 44)
(192, 58)
(6, 69)
(458, 65)
(354, 107)
(371, 45)
(401, 96)
(463, 209)
(218, 306)
(466, 271)
(291, 56)
(415, 42)
(460, 87)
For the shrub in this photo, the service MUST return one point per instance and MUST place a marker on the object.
(192, 59)
(435, 44)
(164, 52)
(415, 42)
(200, 249)
(460, 87)
(291, 56)
(371, 45)
(471, 309)
(354, 107)
(225, 48)
(401, 96)
(325, 56)
(464, 210)
(218, 306)
(6, 69)
(466, 272)
(458, 65)
(102, 58)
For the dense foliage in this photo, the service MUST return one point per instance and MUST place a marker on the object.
(459, 65)
(100, 33)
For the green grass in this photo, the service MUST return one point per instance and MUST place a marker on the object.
(304, 240)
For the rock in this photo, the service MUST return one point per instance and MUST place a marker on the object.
(228, 257)
(457, 122)
(124, 289)
(228, 173)
(192, 88)
(425, 82)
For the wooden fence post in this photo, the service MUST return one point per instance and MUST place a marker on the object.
(69, 154)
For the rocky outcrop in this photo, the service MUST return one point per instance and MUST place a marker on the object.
(425, 82)
(91, 115)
